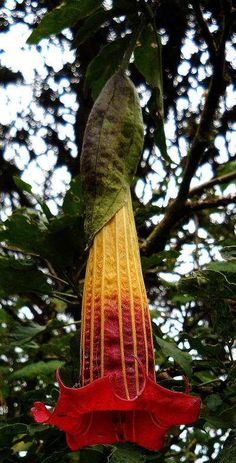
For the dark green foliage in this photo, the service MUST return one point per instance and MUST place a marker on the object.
(67, 14)
(169, 349)
(164, 259)
(127, 452)
(90, 27)
(229, 451)
(104, 65)
(148, 59)
(21, 276)
(215, 287)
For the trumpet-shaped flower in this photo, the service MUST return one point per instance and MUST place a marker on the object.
(119, 399)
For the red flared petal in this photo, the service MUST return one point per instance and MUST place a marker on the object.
(94, 414)
(40, 412)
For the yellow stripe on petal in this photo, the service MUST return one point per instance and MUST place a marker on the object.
(119, 264)
(103, 233)
(130, 286)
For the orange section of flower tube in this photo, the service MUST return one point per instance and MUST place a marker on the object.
(116, 329)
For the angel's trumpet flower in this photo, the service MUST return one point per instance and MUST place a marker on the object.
(119, 400)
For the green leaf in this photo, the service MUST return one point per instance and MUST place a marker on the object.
(182, 298)
(65, 240)
(222, 267)
(37, 369)
(91, 26)
(226, 419)
(204, 348)
(155, 109)
(126, 453)
(151, 261)
(37, 428)
(160, 139)
(214, 401)
(9, 432)
(92, 455)
(232, 373)
(145, 213)
(227, 168)
(65, 15)
(27, 187)
(55, 457)
(72, 204)
(228, 252)
(25, 333)
(147, 56)
(159, 259)
(183, 359)
(227, 455)
(148, 60)
(21, 276)
(21, 445)
(104, 65)
(24, 230)
(75, 347)
(215, 282)
(22, 185)
(60, 240)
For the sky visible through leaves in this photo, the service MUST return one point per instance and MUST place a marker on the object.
(16, 100)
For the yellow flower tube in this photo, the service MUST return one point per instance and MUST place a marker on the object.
(116, 329)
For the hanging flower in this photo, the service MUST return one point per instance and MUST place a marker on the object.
(118, 399)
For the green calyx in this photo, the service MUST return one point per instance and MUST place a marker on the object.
(113, 141)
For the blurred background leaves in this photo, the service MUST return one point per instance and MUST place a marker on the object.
(189, 269)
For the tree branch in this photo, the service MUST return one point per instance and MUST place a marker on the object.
(216, 90)
(177, 208)
(215, 181)
(158, 236)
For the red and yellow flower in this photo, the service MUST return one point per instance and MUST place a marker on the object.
(119, 399)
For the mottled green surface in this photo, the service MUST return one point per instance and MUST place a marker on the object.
(112, 145)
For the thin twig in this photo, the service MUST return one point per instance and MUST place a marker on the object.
(205, 30)
(133, 40)
(19, 251)
(10, 311)
(57, 278)
(210, 203)
(56, 296)
(60, 293)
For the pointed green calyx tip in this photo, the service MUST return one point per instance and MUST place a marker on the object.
(113, 141)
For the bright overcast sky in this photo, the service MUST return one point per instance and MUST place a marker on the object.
(31, 60)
